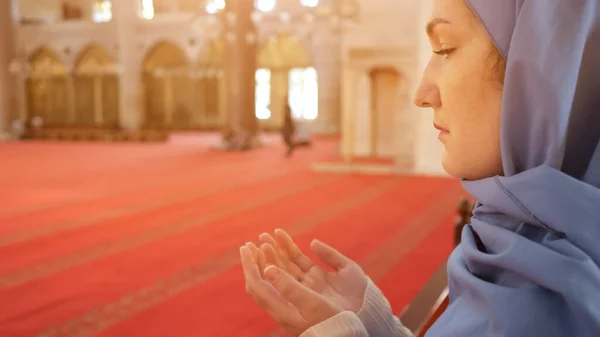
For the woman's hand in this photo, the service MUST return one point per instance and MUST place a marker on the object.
(294, 306)
(345, 286)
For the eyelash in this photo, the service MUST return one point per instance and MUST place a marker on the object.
(444, 52)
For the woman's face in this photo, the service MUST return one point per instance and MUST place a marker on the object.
(464, 88)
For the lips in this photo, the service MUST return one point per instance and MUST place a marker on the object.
(439, 127)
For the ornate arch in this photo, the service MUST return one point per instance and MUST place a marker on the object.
(46, 63)
(96, 87)
(94, 59)
(165, 55)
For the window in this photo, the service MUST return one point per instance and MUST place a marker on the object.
(147, 10)
(263, 93)
(213, 6)
(265, 5)
(309, 3)
(304, 93)
(102, 11)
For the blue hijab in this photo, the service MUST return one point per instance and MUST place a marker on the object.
(529, 262)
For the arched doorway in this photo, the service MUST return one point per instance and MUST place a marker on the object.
(47, 89)
(285, 70)
(209, 86)
(96, 89)
(168, 88)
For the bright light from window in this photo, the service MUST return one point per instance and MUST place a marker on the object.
(309, 3)
(266, 5)
(102, 11)
(147, 9)
(304, 93)
(263, 93)
(214, 6)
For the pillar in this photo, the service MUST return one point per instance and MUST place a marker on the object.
(328, 63)
(240, 67)
(7, 54)
(125, 14)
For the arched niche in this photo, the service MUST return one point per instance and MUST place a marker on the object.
(209, 85)
(47, 88)
(96, 84)
(385, 84)
(290, 68)
(168, 88)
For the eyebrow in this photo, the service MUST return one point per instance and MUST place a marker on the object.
(431, 24)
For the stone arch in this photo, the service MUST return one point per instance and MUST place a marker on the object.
(47, 95)
(168, 89)
(96, 85)
(165, 55)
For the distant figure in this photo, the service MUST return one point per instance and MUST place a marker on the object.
(288, 131)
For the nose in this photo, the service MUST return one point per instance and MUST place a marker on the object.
(427, 95)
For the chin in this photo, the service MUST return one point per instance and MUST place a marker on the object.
(463, 168)
(449, 166)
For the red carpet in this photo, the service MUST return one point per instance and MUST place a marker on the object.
(142, 239)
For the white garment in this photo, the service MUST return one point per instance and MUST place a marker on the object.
(375, 319)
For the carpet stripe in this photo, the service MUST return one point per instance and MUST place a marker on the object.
(155, 178)
(180, 180)
(107, 214)
(70, 261)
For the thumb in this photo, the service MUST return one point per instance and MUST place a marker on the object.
(312, 306)
(329, 255)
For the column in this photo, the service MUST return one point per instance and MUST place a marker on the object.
(125, 15)
(348, 123)
(327, 48)
(7, 54)
(240, 67)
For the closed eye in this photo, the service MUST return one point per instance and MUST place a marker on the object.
(446, 51)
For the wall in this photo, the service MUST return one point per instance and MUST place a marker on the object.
(386, 38)
(137, 36)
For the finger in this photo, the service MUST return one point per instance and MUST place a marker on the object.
(261, 291)
(287, 243)
(312, 306)
(329, 255)
(259, 257)
(271, 255)
(276, 260)
(249, 266)
(267, 238)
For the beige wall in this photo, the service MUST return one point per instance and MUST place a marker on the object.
(128, 38)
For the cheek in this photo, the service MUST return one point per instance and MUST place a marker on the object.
(466, 95)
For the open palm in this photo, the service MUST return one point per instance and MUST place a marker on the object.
(345, 286)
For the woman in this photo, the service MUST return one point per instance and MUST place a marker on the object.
(515, 87)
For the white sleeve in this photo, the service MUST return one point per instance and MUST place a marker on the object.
(375, 319)
(377, 316)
